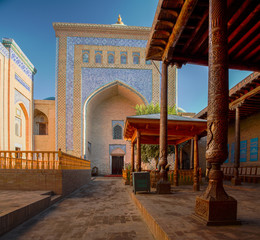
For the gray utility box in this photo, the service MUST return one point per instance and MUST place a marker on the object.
(141, 181)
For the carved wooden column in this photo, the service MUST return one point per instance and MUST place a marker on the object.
(235, 180)
(132, 157)
(208, 167)
(176, 170)
(138, 143)
(215, 206)
(191, 153)
(132, 162)
(196, 184)
(181, 158)
(163, 186)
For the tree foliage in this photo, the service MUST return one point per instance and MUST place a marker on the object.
(152, 151)
(153, 109)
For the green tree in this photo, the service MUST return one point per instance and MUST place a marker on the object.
(152, 151)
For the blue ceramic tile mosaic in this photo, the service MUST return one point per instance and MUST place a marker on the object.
(4, 51)
(71, 42)
(22, 82)
(114, 146)
(117, 123)
(20, 63)
(94, 78)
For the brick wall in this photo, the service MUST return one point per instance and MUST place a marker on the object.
(61, 182)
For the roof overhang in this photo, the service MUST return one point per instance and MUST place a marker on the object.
(180, 129)
(179, 33)
(245, 95)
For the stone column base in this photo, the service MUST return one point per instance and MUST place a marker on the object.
(217, 212)
(163, 187)
(235, 181)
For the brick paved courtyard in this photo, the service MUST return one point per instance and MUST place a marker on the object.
(100, 210)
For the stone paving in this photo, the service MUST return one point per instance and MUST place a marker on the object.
(98, 211)
(13, 200)
(173, 213)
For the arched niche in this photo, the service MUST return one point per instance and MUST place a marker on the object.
(110, 103)
(40, 123)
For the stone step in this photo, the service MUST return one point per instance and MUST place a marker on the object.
(18, 206)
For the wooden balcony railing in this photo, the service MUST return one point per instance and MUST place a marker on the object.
(41, 160)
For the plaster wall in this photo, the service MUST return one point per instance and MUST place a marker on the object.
(46, 142)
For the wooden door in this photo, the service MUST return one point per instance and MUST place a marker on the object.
(117, 164)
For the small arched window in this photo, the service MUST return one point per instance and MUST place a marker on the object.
(136, 57)
(98, 56)
(111, 57)
(123, 56)
(117, 132)
(85, 56)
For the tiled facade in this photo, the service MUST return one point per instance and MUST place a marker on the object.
(16, 97)
(89, 66)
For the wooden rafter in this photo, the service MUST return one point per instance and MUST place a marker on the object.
(181, 22)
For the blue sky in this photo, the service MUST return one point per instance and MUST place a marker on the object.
(29, 23)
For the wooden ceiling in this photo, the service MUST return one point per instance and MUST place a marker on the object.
(179, 33)
(245, 94)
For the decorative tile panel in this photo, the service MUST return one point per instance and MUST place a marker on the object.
(114, 146)
(20, 64)
(71, 42)
(117, 122)
(56, 88)
(94, 78)
(4, 51)
(18, 97)
(22, 82)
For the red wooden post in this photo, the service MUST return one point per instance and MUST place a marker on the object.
(196, 184)
(139, 151)
(176, 177)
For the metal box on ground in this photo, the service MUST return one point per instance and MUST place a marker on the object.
(141, 181)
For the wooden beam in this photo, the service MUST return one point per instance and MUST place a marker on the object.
(161, 34)
(134, 136)
(156, 132)
(242, 65)
(201, 41)
(165, 22)
(181, 22)
(252, 53)
(183, 140)
(158, 42)
(203, 19)
(247, 95)
(237, 13)
(170, 12)
(242, 39)
(244, 23)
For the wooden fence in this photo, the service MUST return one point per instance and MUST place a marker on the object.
(41, 160)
